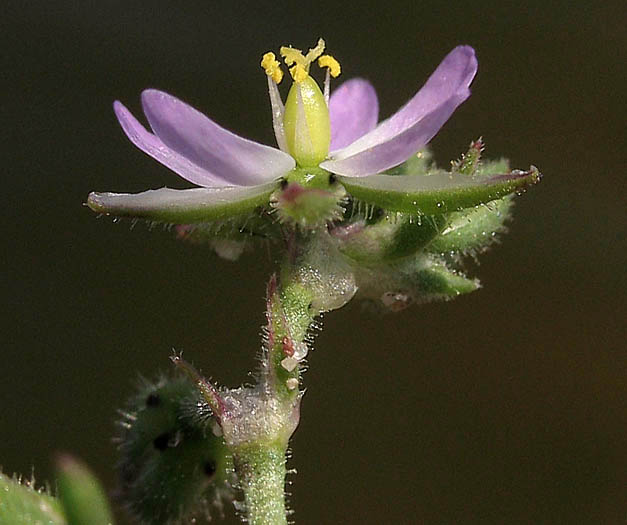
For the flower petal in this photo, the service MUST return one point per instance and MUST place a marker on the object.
(152, 145)
(410, 128)
(354, 111)
(222, 153)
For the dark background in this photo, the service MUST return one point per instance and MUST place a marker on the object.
(505, 406)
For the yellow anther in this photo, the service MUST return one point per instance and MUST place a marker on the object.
(329, 62)
(272, 67)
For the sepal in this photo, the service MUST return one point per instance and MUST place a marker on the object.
(437, 193)
(473, 230)
(391, 238)
(416, 280)
(194, 205)
(419, 163)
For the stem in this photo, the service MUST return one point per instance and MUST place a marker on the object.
(261, 471)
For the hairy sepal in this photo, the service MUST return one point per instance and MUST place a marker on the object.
(436, 193)
(416, 280)
(393, 237)
(195, 205)
(474, 230)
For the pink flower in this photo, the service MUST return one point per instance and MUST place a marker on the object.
(202, 152)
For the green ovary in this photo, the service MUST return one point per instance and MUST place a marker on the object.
(306, 123)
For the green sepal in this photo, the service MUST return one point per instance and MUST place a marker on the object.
(22, 504)
(415, 280)
(174, 464)
(468, 164)
(473, 230)
(81, 494)
(391, 238)
(309, 198)
(436, 193)
(492, 167)
(419, 163)
(439, 282)
(184, 206)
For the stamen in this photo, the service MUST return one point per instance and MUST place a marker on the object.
(327, 87)
(332, 65)
(272, 67)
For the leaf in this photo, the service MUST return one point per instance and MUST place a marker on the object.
(437, 193)
(81, 494)
(21, 504)
(183, 206)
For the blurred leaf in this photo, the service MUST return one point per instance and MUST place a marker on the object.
(83, 498)
(21, 504)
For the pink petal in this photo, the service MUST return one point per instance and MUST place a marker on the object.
(152, 145)
(354, 111)
(225, 155)
(414, 125)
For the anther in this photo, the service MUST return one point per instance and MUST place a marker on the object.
(331, 64)
(272, 67)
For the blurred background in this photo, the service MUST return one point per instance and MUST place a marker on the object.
(505, 406)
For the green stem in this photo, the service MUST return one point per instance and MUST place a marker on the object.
(261, 472)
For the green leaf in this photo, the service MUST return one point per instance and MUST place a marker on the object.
(21, 504)
(437, 193)
(183, 206)
(83, 498)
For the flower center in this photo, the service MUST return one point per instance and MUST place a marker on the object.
(306, 117)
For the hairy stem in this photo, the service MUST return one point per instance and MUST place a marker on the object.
(261, 472)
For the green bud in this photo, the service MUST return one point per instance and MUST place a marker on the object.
(307, 124)
(174, 464)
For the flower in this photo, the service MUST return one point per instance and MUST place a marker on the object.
(328, 145)
(202, 152)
